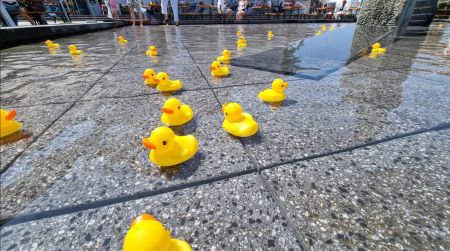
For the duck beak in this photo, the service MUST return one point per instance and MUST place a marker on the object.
(153, 49)
(287, 84)
(144, 76)
(148, 144)
(213, 68)
(11, 115)
(166, 110)
(142, 217)
(157, 80)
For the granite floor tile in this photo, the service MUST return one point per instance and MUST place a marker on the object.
(52, 87)
(94, 152)
(338, 112)
(241, 76)
(123, 82)
(390, 196)
(34, 121)
(234, 214)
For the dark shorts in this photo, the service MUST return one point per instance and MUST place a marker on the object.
(12, 7)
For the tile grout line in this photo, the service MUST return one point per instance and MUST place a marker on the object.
(276, 200)
(116, 200)
(441, 127)
(257, 167)
(140, 195)
(48, 214)
(7, 166)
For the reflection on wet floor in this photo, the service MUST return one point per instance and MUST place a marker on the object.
(20, 135)
(312, 58)
(315, 57)
(168, 172)
(178, 130)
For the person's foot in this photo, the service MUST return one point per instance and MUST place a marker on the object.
(166, 21)
(177, 24)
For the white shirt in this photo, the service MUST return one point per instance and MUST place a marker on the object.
(241, 6)
(221, 5)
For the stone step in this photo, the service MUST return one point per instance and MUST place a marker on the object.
(425, 9)
(422, 3)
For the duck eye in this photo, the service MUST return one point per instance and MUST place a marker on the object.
(226, 114)
(164, 78)
(282, 85)
(179, 107)
(164, 142)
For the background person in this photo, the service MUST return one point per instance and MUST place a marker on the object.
(114, 7)
(135, 5)
(242, 6)
(174, 4)
(37, 6)
(222, 8)
(13, 9)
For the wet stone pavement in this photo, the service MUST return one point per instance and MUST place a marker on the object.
(356, 158)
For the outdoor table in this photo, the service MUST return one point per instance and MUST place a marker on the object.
(207, 6)
(260, 9)
(184, 8)
(323, 10)
(355, 9)
(291, 9)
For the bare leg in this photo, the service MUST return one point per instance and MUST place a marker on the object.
(23, 12)
(141, 21)
(228, 14)
(131, 10)
(166, 18)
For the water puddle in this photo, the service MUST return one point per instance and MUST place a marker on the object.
(168, 171)
(316, 56)
(20, 135)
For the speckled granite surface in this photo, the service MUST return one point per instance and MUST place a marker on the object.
(82, 174)
(393, 195)
(227, 215)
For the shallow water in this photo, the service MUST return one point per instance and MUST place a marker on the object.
(87, 115)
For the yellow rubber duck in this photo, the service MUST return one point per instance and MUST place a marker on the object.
(73, 50)
(318, 33)
(218, 69)
(276, 94)
(168, 149)
(376, 48)
(226, 56)
(175, 113)
(242, 42)
(238, 33)
(238, 123)
(152, 51)
(373, 55)
(323, 27)
(148, 234)
(269, 35)
(51, 45)
(122, 40)
(441, 25)
(8, 125)
(165, 84)
(149, 77)
(331, 28)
